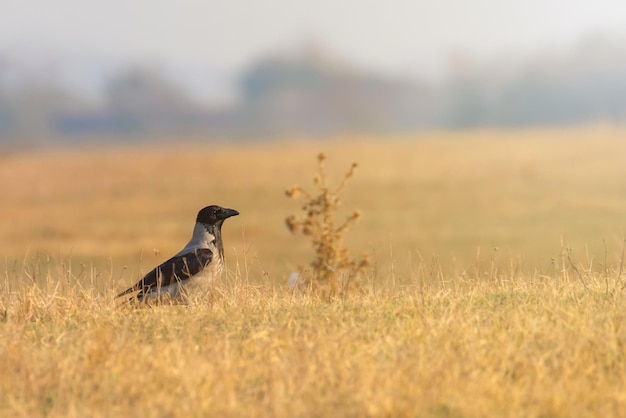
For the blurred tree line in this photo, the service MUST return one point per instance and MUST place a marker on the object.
(312, 93)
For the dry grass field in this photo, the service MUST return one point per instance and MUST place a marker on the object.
(496, 289)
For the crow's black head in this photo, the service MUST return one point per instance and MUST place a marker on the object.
(214, 215)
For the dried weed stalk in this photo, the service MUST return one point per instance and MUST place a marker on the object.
(332, 272)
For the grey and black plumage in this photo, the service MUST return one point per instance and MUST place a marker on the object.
(201, 260)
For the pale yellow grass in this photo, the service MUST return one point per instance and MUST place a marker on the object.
(445, 325)
(519, 346)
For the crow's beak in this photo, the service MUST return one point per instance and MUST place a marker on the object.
(227, 213)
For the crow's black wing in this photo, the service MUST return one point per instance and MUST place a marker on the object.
(176, 269)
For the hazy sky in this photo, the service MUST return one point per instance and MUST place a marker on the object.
(393, 35)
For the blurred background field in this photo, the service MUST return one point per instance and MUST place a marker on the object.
(470, 200)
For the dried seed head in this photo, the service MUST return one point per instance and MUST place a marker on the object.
(321, 157)
(365, 261)
(292, 223)
(294, 192)
(350, 172)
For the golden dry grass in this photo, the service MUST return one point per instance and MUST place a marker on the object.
(446, 325)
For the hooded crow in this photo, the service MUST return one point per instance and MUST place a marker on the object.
(201, 259)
